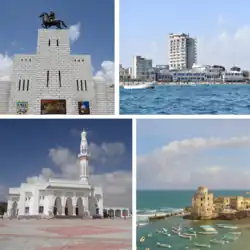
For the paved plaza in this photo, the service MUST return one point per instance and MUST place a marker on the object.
(66, 234)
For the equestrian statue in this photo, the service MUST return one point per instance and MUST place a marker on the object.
(49, 20)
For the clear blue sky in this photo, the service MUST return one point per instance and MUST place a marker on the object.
(19, 24)
(25, 145)
(145, 25)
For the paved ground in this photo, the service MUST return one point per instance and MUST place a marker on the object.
(57, 234)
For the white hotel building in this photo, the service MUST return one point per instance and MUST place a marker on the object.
(182, 51)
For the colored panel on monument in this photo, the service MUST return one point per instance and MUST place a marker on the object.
(53, 107)
(21, 108)
(83, 108)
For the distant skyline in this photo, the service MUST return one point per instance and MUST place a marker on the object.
(91, 25)
(185, 154)
(222, 30)
(33, 150)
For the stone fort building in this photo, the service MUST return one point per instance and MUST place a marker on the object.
(53, 81)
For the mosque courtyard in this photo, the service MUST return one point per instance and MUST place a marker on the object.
(66, 234)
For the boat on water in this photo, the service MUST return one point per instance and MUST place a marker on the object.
(139, 85)
(142, 224)
(208, 233)
(190, 234)
(215, 241)
(163, 245)
(208, 230)
(226, 226)
(185, 236)
(142, 239)
(176, 228)
(176, 232)
(202, 245)
(230, 237)
(164, 230)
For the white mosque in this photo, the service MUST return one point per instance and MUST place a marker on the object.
(61, 196)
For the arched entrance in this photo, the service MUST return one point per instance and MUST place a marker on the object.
(79, 207)
(57, 206)
(14, 210)
(118, 213)
(68, 210)
(111, 213)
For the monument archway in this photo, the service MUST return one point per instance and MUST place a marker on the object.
(57, 206)
(111, 213)
(14, 211)
(79, 207)
(68, 210)
(118, 213)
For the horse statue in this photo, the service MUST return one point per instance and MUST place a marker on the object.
(46, 23)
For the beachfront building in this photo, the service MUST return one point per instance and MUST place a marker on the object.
(125, 74)
(182, 51)
(162, 73)
(53, 81)
(202, 204)
(233, 76)
(59, 196)
(142, 69)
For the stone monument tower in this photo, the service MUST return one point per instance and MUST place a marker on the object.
(83, 157)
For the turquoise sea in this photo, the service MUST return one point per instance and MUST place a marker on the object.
(199, 99)
(149, 202)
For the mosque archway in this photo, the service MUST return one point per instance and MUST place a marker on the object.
(79, 207)
(93, 206)
(57, 206)
(68, 210)
(14, 211)
(118, 213)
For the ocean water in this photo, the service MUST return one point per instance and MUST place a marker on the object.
(152, 201)
(198, 99)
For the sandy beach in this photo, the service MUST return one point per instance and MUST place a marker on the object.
(58, 234)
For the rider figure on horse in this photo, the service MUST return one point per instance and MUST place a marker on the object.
(52, 16)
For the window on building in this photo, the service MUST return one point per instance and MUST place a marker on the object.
(27, 210)
(23, 85)
(85, 84)
(81, 85)
(19, 85)
(49, 42)
(41, 208)
(28, 85)
(48, 78)
(57, 43)
(59, 76)
(77, 85)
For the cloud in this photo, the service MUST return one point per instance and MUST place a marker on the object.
(106, 74)
(6, 64)
(117, 185)
(226, 48)
(182, 164)
(74, 32)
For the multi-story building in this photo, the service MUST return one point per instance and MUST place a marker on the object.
(182, 51)
(53, 81)
(233, 76)
(125, 73)
(202, 203)
(142, 69)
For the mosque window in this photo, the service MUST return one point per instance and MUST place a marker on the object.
(57, 43)
(41, 209)
(28, 84)
(49, 42)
